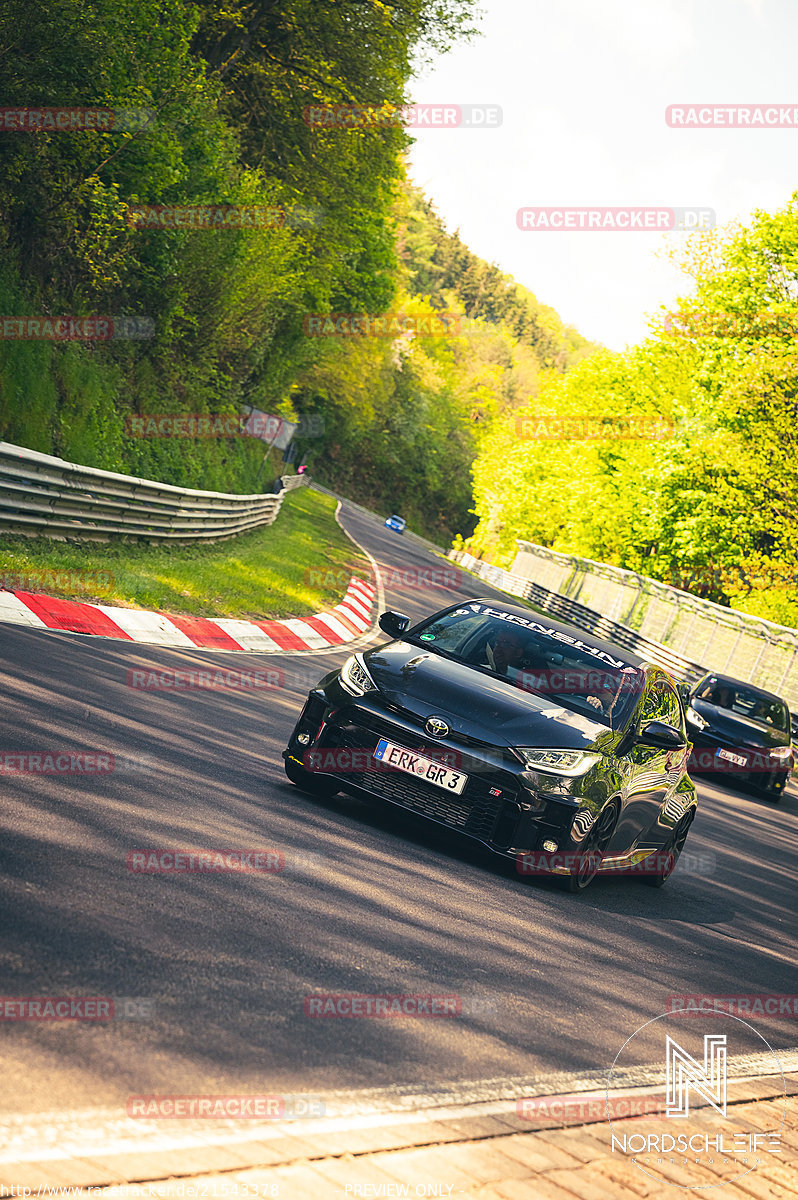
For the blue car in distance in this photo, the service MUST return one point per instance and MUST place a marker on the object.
(398, 524)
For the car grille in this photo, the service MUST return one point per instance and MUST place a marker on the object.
(475, 811)
(386, 728)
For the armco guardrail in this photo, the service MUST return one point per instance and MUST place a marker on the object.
(47, 497)
(680, 668)
(722, 639)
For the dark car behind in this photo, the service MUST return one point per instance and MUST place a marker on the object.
(740, 733)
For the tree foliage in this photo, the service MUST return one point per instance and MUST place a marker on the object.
(222, 93)
(714, 507)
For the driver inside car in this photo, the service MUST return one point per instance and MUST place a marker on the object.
(505, 653)
(508, 653)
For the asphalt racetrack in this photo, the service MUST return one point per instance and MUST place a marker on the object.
(216, 968)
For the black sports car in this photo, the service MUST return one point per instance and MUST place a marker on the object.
(561, 752)
(741, 732)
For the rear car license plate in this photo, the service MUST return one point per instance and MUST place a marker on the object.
(739, 760)
(423, 768)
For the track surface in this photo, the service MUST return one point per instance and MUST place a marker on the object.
(369, 902)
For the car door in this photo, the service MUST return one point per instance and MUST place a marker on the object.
(652, 774)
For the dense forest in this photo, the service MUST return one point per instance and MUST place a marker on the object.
(213, 103)
(209, 109)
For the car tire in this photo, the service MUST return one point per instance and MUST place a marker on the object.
(593, 851)
(314, 785)
(670, 852)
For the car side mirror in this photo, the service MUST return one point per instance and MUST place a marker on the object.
(660, 735)
(394, 623)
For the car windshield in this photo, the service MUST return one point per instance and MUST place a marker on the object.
(534, 657)
(744, 702)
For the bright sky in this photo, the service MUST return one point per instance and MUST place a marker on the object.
(584, 86)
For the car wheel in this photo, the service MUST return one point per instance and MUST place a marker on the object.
(315, 785)
(596, 843)
(668, 856)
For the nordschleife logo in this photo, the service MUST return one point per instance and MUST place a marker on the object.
(684, 1073)
(702, 1127)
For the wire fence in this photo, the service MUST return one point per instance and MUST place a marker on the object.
(681, 632)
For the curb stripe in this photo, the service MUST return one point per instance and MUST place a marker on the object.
(144, 626)
(204, 632)
(325, 625)
(357, 602)
(284, 637)
(322, 631)
(72, 615)
(14, 610)
(355, 618)
(247, 635)
(307, 634)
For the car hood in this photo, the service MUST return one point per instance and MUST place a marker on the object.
(475, 705)
(737, 728)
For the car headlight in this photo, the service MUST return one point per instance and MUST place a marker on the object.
(354, 677)
(559, 762)
(781, 753)
(695, 718)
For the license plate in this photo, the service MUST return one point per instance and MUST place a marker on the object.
(423, 768)
(739, 760)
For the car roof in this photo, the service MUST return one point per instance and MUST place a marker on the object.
(751, 687)
(521, 610)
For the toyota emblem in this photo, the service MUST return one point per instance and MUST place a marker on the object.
(435, 727)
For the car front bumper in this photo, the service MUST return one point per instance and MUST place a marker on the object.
(496, 807)
(760, 771)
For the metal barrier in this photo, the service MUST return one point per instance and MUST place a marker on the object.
(722, 639)
(43, 496)
(670, 657)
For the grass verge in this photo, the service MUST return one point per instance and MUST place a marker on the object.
(298, 566)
